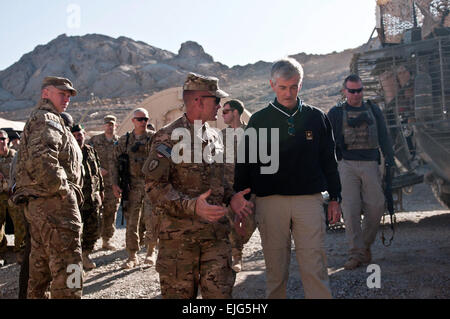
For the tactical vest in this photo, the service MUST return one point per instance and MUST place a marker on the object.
(361, 137)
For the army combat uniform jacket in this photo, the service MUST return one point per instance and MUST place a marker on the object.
(50, 161)
(174, 188)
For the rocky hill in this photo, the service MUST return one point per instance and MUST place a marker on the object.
(121, 72)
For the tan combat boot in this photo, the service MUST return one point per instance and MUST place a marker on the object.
(88, 264)
(108, 246)
(132, 261)
(237, 263)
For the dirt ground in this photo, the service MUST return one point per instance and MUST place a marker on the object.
(416, 265)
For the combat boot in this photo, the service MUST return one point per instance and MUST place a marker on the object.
(131, 262)
(88, 264)
(108, 246)
(237, 263)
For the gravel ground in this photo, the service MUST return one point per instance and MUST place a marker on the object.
(416, 265)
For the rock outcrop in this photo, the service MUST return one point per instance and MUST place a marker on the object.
(109, 68)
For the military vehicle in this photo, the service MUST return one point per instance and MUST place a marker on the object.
(408, 76)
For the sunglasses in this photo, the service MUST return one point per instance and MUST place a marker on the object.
(291, 127)
(3, 138)
(213, 96)
(140, 119)
(353, 91)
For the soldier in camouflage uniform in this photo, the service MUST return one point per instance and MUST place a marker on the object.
(104, 145)
(6, 157)
(136, 145)
(49, 172)
(243, 230)
(194, 249)
(93, 192)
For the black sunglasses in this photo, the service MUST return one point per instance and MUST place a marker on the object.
(140, 119)
(3, 138)
(291, 127)
(213, 96)
(353, 91)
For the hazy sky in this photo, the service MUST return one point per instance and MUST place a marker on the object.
(232, 31)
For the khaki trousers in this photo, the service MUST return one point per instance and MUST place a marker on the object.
(361, 192)
(302, 217)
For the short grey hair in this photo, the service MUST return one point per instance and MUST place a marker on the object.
(3, 132)
(142, 110)
(286, 68)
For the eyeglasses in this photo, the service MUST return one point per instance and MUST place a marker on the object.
(3, 138)
(213, 96)
(291, 127)
(140, 119)
(353, 91)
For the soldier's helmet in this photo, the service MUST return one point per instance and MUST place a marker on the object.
(198, 82)
(68, 120)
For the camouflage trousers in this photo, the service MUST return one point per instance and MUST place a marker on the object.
(108, 214)
(139, 206)
(237, 241)
(90, 215)
(55, 257)
(18, 220)
(185, 265)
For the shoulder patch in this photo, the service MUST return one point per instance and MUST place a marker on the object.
(55, 125)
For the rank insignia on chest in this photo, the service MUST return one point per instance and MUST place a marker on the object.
(309, 135)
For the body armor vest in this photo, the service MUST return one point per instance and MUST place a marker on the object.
(362, 136)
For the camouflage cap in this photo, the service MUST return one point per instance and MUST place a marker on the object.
(197, 82)
(109, 119)
(59, 83)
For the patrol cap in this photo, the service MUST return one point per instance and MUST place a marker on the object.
(109, 119)
(59, 83)
(197, 82)
(77, 128)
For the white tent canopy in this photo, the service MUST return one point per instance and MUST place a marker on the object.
(14, 125)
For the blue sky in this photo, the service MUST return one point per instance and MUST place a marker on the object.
(234, 32)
